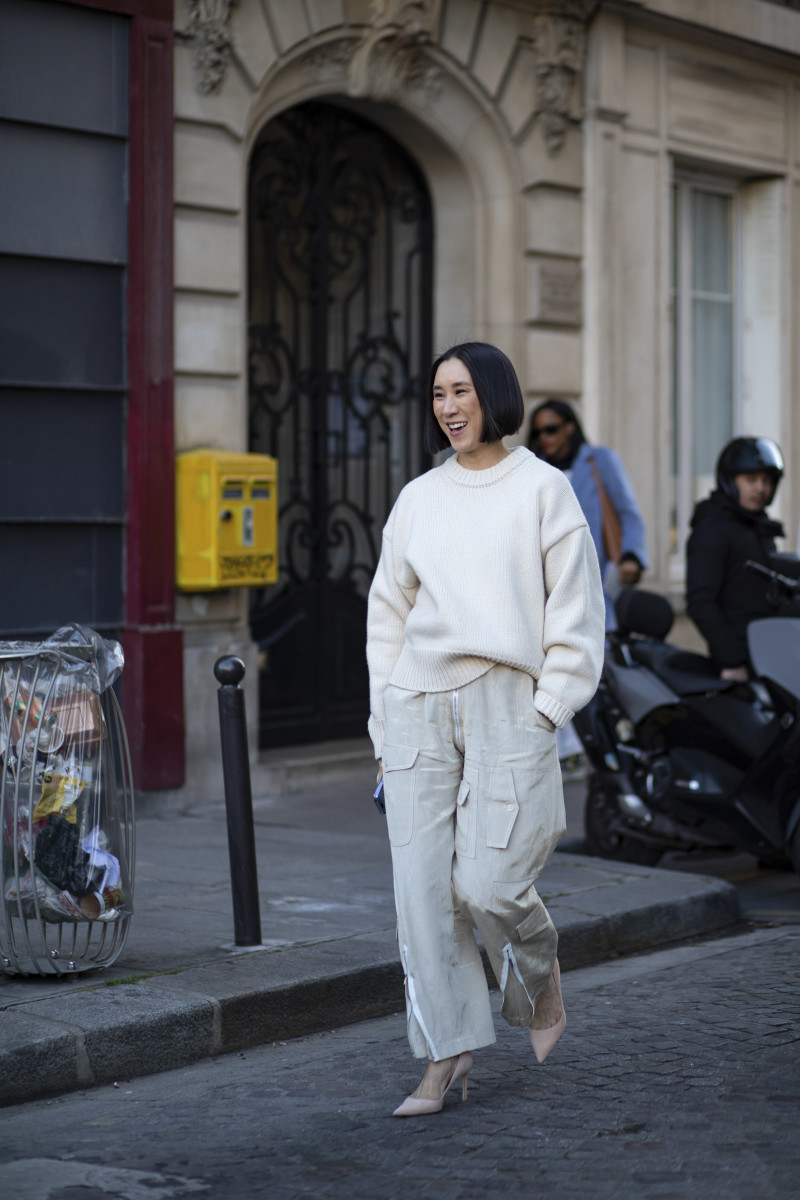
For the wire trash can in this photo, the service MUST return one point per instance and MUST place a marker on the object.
(66, 805)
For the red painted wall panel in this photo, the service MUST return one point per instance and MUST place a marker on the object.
(152, 684)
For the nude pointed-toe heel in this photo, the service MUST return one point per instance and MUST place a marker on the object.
(414, 1106)
(543, 1040)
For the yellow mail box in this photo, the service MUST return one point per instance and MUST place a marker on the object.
(227, 520)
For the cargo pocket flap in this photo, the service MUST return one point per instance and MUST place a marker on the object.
(463, 793)
(398, 763)
(503, 808)
(399, 758)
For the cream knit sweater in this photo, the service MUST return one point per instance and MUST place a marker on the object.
(485, 567)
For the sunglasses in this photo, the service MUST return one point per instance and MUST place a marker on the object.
(547, 430)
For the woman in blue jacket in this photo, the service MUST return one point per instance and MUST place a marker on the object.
(556, 436)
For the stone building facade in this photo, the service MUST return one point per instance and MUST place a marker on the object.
(607, 189)
(614, 190)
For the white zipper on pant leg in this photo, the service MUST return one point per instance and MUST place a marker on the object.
(456, 729)
(509, 960)
(412, 999)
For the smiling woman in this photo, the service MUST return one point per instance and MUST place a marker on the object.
(458, 410)
(475, 401)
(484, 634)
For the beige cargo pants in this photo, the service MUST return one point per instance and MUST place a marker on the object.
(474, 807)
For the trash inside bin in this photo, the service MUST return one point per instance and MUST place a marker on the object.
(66, 805)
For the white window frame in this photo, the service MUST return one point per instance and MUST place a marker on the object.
(684, 182)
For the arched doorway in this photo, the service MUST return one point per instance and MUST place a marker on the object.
(340, 240)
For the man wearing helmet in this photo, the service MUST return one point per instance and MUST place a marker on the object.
(728, 528)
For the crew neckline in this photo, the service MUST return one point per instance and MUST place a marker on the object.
(465, 477)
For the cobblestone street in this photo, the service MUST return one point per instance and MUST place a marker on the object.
(678, 1078)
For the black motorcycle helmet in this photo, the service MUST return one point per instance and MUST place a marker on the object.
(746, 456)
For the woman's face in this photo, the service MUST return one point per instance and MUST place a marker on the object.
(552, 434)
(457, 408)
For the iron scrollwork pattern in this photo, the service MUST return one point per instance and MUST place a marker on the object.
(339, 344)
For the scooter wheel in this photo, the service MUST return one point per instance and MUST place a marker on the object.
(602, 820)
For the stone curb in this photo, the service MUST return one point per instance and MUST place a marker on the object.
(105, 1033)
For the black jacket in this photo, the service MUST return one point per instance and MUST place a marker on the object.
(722, 595)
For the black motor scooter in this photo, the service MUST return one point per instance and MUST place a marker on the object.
(684, 760)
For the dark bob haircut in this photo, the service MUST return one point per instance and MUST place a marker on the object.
(567, 413)
(497, 388)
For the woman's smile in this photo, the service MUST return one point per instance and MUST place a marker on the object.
(456, 406)
(458, 411)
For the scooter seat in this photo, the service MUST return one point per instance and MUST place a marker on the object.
(687, 674)
(643, 612)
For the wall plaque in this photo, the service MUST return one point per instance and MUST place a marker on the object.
(557, 293)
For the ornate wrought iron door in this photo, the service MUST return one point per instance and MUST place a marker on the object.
(339, 348)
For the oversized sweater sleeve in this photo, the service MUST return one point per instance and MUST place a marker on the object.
(391, 598)
(574, 616)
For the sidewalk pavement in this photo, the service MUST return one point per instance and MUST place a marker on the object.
(181, 991)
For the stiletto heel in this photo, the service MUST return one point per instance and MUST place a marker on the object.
(415, 1106)
(543, 1040)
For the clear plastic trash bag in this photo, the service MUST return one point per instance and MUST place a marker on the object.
(66, 805)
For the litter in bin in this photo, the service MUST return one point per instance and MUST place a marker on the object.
(66, 802)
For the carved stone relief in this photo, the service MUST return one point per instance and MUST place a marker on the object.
(209, 32)
(385, 60)
(391, 55)
(560, 46)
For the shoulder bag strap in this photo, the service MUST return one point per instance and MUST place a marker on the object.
(612, 530)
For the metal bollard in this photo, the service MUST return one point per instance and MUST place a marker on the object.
(229, 672)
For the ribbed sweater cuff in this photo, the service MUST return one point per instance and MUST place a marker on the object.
(558, 713)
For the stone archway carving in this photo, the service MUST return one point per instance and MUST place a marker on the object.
(389, 52)
(468, 162)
